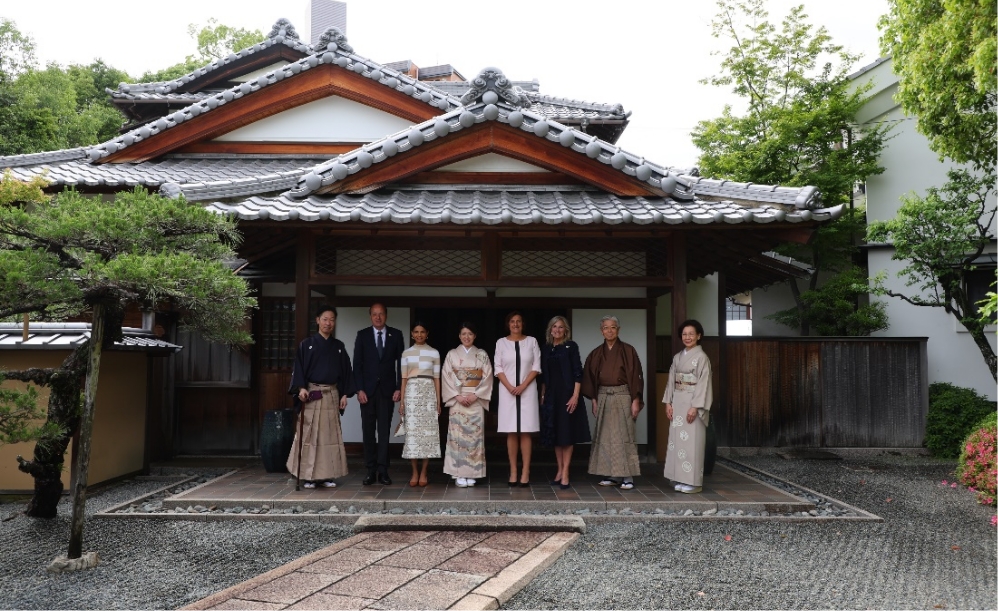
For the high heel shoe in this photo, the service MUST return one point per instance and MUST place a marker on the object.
(513, 484)
(525, 484)
(555, 482)
(565, 486)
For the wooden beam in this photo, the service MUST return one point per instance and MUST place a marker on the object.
(270, 148)
(720, 400)
(322, 81)
(303, 293)
(651, 368)
(678, 264)
(491, 178)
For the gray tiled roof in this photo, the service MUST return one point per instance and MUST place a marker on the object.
(460, 205)
(63, 336)
(331, 49)
(224, 177)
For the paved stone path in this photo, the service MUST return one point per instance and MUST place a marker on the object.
(402, 570)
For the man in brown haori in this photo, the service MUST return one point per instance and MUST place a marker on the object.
(612, 378)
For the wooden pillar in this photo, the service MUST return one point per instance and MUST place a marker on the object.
(303, 291)
(677, 264)
(718, 411)
(651, 368)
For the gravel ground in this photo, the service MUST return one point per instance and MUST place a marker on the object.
(908, 561)
(144, 564)
(935, 549)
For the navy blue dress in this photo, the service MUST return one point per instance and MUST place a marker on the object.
(561, 368)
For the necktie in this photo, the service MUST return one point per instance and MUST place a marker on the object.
(381, 345)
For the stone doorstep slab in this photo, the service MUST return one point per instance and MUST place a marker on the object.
(500, 588)
(241, 588)
(488, 595)
(375, 523)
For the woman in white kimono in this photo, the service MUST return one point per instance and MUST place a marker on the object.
(466, 380)
(687, 399)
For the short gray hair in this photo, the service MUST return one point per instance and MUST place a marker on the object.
(615, 320)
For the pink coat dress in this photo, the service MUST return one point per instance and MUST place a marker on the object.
(512, 419)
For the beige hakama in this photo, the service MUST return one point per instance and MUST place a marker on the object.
(689, 386)
(323, 456)
(466, 372)
(614, 451)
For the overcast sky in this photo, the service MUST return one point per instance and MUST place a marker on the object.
(645, 54)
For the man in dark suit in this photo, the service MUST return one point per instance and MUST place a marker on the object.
(377, 375)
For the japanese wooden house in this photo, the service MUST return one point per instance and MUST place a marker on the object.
(354, 182)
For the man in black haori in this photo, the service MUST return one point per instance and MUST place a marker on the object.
(321, 381)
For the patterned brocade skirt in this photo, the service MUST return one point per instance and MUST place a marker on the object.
(465, 454)
(422, 437)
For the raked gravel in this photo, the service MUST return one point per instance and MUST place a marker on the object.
(144, 564)
(935, 549)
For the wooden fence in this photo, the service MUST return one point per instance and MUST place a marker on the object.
(817, 392)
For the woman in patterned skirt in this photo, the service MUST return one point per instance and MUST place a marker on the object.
(466, 383)
(687, 399)
(420, 403)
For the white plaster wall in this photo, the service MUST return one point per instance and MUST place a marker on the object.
(491, 162)
(252, 76)
(348, 323)
(953, 355)
(633, 330)
(769, 300)
(331, 119)
(701, 304)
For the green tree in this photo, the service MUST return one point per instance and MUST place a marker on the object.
(75, 255)
(939, 237)
(51, 108)
(214, 41)
(798, 129)
(944, 54)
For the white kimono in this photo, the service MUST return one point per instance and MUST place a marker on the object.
(689, 386)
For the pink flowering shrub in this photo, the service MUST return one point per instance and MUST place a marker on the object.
(978, 468)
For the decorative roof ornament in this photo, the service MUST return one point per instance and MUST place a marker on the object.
(331, 40)
(490, 85)
(283, 28)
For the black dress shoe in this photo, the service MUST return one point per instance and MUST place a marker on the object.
(369, 479)
(384, 480)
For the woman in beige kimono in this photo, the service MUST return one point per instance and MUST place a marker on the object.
(466, 381)
(687, 399)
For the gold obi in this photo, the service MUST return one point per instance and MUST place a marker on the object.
(469, 378)
(686, 382)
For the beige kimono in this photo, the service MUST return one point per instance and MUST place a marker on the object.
(689, 386)
(466, 372)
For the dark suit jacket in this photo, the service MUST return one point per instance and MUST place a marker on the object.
(368, 369)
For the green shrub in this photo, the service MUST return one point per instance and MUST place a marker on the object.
(954, 412)
(978, 468)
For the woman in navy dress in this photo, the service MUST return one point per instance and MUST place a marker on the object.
(564, 422)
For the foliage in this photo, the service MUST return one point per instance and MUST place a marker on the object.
(797, 130)
(944, 53)
(831, 308)
(214, 41)
(988, 307)
(18, 413)
(17, 51)
(61, 257)
(978, 465)
(939, 236)
(51, 108)
(953, 413)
